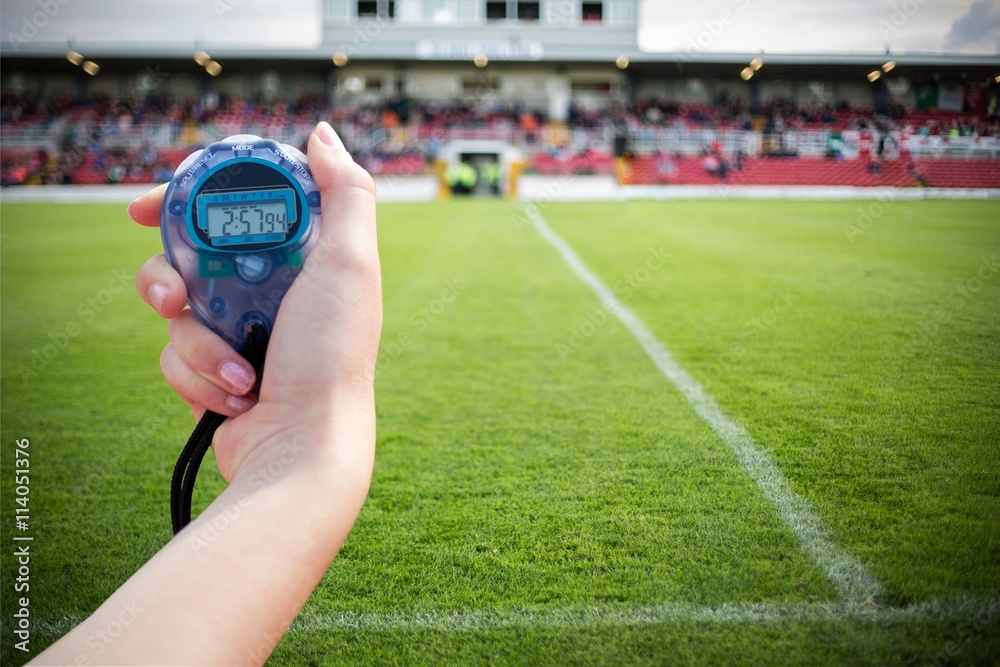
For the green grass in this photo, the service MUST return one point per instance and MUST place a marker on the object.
(541, 493)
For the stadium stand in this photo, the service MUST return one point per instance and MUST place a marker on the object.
(105, 139)
(952, 173)
(770, 171)
(562, 84)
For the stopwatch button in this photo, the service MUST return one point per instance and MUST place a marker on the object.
(217, 305)
(252, 268)
(188, 161)
(176, 207)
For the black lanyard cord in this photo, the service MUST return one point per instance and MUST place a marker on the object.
(186, 470)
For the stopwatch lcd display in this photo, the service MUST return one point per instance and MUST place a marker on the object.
(245, 217)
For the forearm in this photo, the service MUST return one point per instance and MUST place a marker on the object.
(299, 460)
(246, 564)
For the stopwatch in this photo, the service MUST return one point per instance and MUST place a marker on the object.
(239, 219)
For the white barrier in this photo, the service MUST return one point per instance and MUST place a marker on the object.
(534, 188)
(72, 194)
(604, 188)
(390, 189)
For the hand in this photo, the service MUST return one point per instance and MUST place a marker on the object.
(319, 369)
(233, 580)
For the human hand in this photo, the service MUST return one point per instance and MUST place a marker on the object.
(232, 581)
(318, 375)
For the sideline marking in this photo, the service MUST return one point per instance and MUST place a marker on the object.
(941, 610)
(847, 574)
(956, 609)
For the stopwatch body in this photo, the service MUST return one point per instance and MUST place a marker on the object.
(239, 219)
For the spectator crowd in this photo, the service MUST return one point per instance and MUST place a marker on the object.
(142, 137)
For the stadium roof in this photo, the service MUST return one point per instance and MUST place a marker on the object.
(582, 53)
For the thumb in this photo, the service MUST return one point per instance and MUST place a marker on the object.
(329, 323)
(324, 345)
(348, 230)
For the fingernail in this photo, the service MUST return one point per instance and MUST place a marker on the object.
(237, 376)
(240, 403)
(327, 135)
(131, 204)
(157, 295)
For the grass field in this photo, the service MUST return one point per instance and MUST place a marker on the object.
(543, 493)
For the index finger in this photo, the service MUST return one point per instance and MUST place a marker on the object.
(146, 209)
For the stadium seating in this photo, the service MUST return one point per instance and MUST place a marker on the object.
(587, 163)
(771, 171)
(952, 173)
(941, 173)
(140, 141)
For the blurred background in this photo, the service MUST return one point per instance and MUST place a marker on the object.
(466, 96)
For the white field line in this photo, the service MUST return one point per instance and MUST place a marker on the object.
(848, 575)
(956, 609)
(964, 609)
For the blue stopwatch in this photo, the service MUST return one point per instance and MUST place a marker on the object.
(239, 219)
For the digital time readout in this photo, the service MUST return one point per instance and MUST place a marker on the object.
(246, 217)
(226, 220)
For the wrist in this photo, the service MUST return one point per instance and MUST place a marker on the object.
(322, 447)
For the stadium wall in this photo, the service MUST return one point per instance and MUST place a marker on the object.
(390, 189)
(537, 189)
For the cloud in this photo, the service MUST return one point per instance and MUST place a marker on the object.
(783, 26)
(980, 28)
(296, 23)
